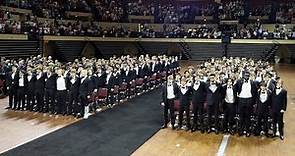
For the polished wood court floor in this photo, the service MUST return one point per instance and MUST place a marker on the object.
(167, 142)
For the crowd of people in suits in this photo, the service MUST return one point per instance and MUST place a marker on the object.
(42, 84)
(229, 95)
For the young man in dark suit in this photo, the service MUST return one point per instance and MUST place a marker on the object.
(73, 86)
(169, 94)
(84, 94)
(198, 99)
(22, 84)
(39, 88)
(213, 99)
(263, 103)
(110, 83)
(101, 78)
(31, 78)
(229, 95)
(278, 108)
(270, 83)
(12, 85)
(61, 91)
(247, 90)
(50, 90)
(184, 93)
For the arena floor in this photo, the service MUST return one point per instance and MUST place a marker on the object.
(18, 128)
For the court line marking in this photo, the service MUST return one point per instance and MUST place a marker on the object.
(223, 145)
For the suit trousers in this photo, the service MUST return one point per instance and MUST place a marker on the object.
(169, 106)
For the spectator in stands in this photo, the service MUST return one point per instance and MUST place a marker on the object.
(138, 8)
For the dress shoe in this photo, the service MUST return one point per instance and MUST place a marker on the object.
(281, 137)
(202, 131)
(8, 108)
(164, 126)
(248, 134)
(216, 131)
(173, 127)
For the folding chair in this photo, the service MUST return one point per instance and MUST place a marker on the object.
(139, 85)
(102, 95)
(133, 88)
(153, 81)
(116, 93)
(122, 91)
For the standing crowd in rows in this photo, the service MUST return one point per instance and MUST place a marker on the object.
(42, 84)
(230, 95)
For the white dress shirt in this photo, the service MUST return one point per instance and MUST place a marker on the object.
(61, 83)
(21, 82)
(213, 88)
(278, 91)
(183, 90)
(12, 75)
(108, 78)
(39, 76)
(29, 77)
(73, 80)
(229, 97)
(82, 80)
(196, 86)
(263, 97)
(170, 92)
(246, 90)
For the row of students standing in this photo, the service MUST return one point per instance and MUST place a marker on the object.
(44, 85)
(216, 101)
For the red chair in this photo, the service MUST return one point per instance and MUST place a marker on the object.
(102, 95)
(153, 80)
(122, 91)
(92, 97)
(147, 83)
(116, 92)
(139, 85)
(132, 88)
(159, 78)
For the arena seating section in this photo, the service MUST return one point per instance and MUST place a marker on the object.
(35, 20)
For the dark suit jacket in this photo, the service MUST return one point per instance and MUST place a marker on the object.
(85, 88)
(73, 87)
(199, 96)
(50, 81)
(271, 85)
(213, 98)
(93, 82)
(31, 84)
(101, 80)
(40, 84)
(12, 83)
(279, 102)
(127, 77)
(263, 107)
(111, 82)
(184, 98)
